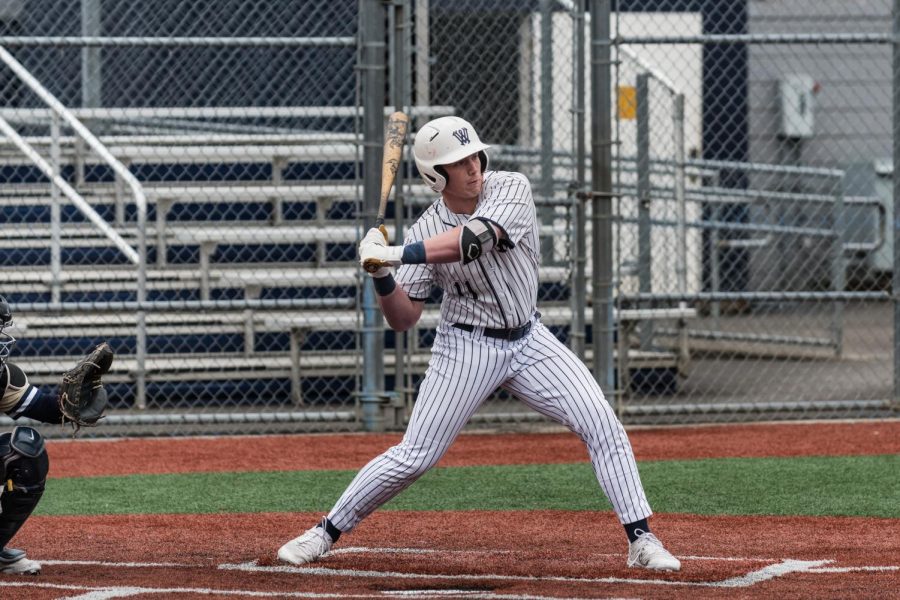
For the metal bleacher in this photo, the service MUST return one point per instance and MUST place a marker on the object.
(317, 263)
(248, 278)
(183, 267)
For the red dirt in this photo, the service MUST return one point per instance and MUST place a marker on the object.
(514, 553)
(351, 451)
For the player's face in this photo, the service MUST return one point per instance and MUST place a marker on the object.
(464, 178)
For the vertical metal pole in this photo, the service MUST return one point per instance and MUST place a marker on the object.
(895, 230)
(680, 200)
(90, 56)
(579, 252)
(715, 267)
(423, 52)
(55, 215)
(547, 212)
(140, 375)
(643, 196)
(399, 65)
(839, 269)
(372, 36)
(681, 220)
(601, 188)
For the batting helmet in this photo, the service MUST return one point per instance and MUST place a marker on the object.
(444, 141)
(6, 341)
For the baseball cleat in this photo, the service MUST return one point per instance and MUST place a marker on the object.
(648, 552)
(306, 548)
(13, 562)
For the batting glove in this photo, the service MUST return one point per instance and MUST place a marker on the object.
(376, 256)
(376, 235)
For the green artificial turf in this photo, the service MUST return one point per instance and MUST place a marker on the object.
(818, 486)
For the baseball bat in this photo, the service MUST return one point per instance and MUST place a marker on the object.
(394, 138)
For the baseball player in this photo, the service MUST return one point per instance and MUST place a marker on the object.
(479, 243)
(23, 459)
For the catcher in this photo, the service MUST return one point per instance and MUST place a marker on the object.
(23, 460)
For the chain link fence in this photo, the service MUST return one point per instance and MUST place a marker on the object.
(787, 132)
(187, 181)
(239, 123)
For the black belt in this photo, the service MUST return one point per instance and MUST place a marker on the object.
(510, 335)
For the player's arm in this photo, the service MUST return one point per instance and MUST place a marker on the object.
(22, 399)
(399, 310)
(463, 243)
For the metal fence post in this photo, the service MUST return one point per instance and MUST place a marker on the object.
(839, 269)
(372, 36)
(91, 76)
(601, 188)
(579, 248)
(894, 228)
(547, 112)
(402, 397)
(645, 256)
(55, 213)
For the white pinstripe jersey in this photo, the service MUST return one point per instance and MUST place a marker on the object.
(499, 289)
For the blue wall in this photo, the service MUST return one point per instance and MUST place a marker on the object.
(183, 76)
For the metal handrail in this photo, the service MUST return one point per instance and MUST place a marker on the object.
(121, 170)
(138, 257)
(221, 112)
(69, 191)
(128, 41)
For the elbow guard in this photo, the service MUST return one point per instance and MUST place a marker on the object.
(477, 237)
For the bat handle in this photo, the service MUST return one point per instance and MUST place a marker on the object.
(379, 223)
(371, 267)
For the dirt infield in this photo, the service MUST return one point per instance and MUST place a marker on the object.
(471, 554)
(350, 451)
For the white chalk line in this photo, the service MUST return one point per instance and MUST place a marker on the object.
(108, 592)
(105, 592)
(485, 595)
(853, 569)
(127, 565)
(764, 574)
(780, 567)
(425, 551)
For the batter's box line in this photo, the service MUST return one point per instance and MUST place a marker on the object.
(766, 573)
(387, 550)
(426, 551)
(86, 592)
(127, 565)
(852, 569)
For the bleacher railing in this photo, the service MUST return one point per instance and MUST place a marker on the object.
(138, 256)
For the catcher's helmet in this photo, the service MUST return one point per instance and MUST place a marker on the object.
(6, 341)
(444, 141)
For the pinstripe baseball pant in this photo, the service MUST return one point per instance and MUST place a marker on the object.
(465, 369)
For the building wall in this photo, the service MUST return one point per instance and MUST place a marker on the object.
(852, 108)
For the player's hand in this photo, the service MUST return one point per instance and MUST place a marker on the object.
(375, 254)
(376, 235)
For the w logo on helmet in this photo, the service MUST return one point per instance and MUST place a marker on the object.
(462, 136)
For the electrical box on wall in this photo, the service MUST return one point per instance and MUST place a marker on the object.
(796, 100)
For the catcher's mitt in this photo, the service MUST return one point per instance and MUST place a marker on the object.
(82, 398)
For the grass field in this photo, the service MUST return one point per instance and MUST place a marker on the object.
(801, 510)
(863, 486)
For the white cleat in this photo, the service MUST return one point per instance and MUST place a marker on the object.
(648, 552)
(13, 562)
(306, 548)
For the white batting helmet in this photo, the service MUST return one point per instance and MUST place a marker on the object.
(444, 141)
